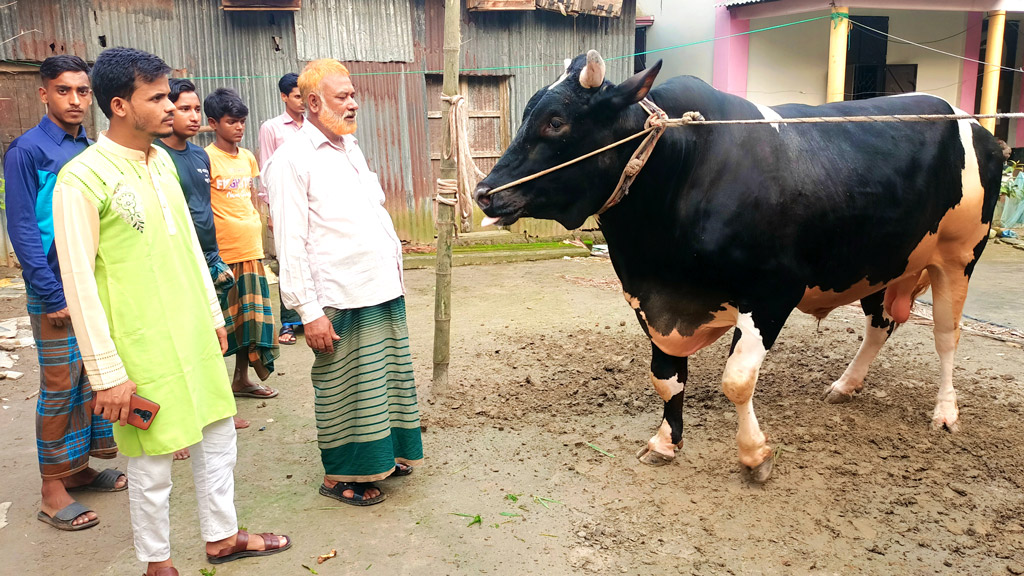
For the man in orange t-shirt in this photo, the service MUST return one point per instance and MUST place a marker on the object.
(247, 308)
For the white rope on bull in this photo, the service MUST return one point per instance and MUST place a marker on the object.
(457, 192)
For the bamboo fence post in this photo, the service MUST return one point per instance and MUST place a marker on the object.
(446, 213)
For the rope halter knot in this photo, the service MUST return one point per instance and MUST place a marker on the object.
(692, 116)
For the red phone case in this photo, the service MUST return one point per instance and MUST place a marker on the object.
(142, 412)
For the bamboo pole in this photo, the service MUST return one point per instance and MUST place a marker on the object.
(993, 59)
(837, 45)
(446, 213)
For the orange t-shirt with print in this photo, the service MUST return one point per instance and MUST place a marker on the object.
(239, 229)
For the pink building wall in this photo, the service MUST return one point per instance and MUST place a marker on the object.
(732, 46)
(972, 49)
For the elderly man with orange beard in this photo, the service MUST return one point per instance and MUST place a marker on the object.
(341, 264)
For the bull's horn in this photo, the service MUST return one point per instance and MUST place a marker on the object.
(592, 75)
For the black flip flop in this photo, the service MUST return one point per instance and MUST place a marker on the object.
(105, 481)
(287, 330)
(400, 471)
(358, 489)
(63, 519)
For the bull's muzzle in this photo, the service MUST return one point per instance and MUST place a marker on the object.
(481, 197)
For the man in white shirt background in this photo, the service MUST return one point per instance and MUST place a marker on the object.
(273, 133)
(341, 270)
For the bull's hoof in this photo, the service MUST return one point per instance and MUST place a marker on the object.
(763, 471)
(946, 415)
(939, 423)
(652, 457)
(835, 396)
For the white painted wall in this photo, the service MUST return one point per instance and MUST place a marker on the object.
(791, 64)
(788, 64)
(937, 74)
(680, 22)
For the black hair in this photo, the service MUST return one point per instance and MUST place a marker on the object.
(287, 83)
(56, 65)
(225, 102)
(117, 70)
(179, 85)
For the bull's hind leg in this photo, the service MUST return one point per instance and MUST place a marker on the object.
(756, 336)
(949, 290)
(879, 327)
(668, 374)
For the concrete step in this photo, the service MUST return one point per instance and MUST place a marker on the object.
(497, 254)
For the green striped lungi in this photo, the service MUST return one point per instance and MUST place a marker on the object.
(367, 417)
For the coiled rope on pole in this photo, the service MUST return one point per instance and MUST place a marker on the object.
(457, 192)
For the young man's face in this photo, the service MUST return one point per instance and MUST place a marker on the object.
(67, 97)
(293, 101)
(149, 108)
(187, 115)
(229, 128)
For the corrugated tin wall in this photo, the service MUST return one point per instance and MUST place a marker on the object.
(380, 31)
(195, 37)
(249, 51)
(495, 39)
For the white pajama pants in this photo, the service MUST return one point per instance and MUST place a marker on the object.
(149, 492)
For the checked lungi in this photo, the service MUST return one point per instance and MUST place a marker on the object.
(248, 315)
(367, 416)
(67, 432)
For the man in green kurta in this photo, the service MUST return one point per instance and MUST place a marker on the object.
(147, 317)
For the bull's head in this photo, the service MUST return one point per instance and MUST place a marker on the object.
(579, 113)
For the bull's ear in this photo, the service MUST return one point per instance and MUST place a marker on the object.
(632, 90)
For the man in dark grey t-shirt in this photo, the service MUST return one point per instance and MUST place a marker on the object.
(193, 165)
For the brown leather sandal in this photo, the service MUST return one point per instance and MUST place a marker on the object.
(271, 542)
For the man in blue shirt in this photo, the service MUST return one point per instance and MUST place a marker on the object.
(67, 433)
(193, 166)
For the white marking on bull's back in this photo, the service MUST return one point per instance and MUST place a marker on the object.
(769, 114)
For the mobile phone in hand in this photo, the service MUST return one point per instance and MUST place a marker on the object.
(141, 412)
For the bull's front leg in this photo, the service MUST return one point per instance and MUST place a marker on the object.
(738, 383)
(668, 374)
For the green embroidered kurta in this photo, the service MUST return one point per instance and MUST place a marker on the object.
(139, 292)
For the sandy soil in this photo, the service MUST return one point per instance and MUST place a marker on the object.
(547, 361)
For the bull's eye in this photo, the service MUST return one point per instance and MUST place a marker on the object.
(555, 123)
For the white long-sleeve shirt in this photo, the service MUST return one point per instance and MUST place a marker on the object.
(336, 243)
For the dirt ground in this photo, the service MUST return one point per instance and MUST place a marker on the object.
(548, 366)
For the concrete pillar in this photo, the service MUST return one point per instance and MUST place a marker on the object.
(838, 42)
(993, 60)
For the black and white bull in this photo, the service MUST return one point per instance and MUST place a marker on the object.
(735, 226)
